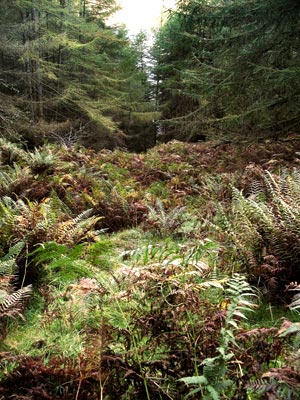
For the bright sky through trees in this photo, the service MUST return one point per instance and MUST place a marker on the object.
(140, 15)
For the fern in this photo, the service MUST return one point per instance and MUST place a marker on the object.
(275, 385)
(14, 251)
(42, 160)
(214, 380)
(240, 294)
(35, 222)
(8, 263)
(242, 235)
(13, 179)
(75, 229)
(166, 222)
(60, 263)
(264, 229)
(10, 152)
(11, 302)
(262, 386)
(295, 304)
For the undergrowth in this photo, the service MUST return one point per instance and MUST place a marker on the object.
(167, 275)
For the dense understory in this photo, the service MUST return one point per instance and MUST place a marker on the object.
(150, 276)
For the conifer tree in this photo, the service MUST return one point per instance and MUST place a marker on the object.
(238, 76)
(63, 69)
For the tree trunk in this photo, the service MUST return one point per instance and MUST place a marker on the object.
(37, 67)
(28, 66)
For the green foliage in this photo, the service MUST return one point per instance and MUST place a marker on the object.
(229, 69)
(14, 180)
(37, 222)
(10, 152)
(42, 160)
(65, 74)
(214, 381)
(129, 313)
(264, 228)
(62, 264)
(164, 221)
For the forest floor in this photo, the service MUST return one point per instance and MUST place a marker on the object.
(150, 276)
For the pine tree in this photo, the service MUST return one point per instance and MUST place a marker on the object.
(239, 74)
(63, 69)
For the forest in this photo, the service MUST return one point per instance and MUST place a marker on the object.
(150, 202)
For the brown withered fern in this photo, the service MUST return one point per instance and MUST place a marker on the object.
(277, 383)
(75, 229)
(38, 222)
(117, 209)
(259, 349)
(12, 304)
(265, 230)
(60, 378)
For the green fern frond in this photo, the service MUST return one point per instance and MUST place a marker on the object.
(272, 184)
(264, 225)
(42, 160)
(250, 209)
(240, 295)
(166, 222)
(13, 177)
(214, 381)
(7, 215)
(10, 152)
(58, 206)
(14, 251)
(62, 263)
(7, 267)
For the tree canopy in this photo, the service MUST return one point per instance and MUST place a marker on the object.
(230, 68)
(223, 68)
(64, 70)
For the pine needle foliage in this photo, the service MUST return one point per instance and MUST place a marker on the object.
(229, 69)
(63, 67)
